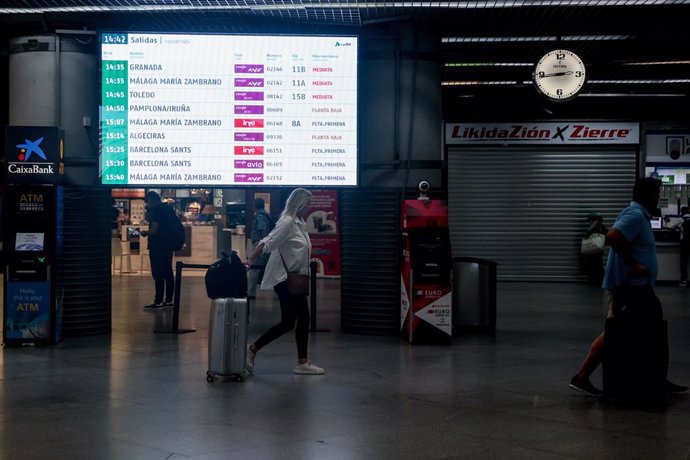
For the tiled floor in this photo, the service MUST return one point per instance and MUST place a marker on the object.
(139, 395)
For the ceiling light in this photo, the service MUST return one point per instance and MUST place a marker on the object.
(546, 38)
(629, 95)
(478, 83)
(489, 64)
(656, 63)
(199, 5)
(674, 81)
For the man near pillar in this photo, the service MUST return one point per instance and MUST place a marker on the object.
(160, 217)
(261, 226)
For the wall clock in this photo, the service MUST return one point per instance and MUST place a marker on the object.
(559, 75)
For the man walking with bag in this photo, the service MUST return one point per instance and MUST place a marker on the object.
(632, 262)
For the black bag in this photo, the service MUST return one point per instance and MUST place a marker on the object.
(635, 359)
(635, 356)
(177, 235)
(227, 277)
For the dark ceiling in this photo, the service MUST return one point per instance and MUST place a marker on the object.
(637, 53)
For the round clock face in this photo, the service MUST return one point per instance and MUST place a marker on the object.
(559, 75)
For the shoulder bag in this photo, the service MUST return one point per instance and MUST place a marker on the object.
(298, 283)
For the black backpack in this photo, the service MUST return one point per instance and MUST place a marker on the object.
(177, 235)
(227, 277)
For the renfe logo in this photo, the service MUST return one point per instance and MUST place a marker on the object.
(29, 148)
(249, 110)
(249, 150)
(255, 82)
(249, 164)
(249, 96)
(249, 122)
(249, 137)
(249, 68)
(241, 177)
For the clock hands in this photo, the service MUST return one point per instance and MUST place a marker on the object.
(556, 74)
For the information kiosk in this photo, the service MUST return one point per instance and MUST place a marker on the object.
(425, 298)
(32, 225)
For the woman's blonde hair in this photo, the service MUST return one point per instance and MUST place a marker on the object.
(297, 200)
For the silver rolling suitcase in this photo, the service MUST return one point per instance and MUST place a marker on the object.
(227, 339)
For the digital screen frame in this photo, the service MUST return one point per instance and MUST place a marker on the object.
(198, 110)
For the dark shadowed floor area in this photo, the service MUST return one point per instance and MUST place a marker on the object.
(135, 394)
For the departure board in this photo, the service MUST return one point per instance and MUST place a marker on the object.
(219, 110)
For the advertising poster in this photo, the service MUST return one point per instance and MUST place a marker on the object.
(323, 228)
(28, 311)
(405, 280)
(432, 304)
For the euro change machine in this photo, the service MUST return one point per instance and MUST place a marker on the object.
(425, 298)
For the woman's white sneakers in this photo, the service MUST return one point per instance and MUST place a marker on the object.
(250, 360)
(308, 369)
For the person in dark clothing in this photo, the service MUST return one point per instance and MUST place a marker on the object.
(262, 224)
(684, 226)
(160, 217)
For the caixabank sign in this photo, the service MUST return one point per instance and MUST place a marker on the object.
(33, 154)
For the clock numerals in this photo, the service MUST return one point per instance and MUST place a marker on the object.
(559, 75)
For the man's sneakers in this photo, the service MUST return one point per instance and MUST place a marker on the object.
(584, 386)
(673, 389)
(250, 360)
(159, 306)
(308, 369)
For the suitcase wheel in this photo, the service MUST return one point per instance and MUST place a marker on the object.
(209, 376)
(239, 378)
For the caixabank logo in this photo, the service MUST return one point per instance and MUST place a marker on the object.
(32, 153)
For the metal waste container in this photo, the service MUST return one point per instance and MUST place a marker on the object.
(474, 293)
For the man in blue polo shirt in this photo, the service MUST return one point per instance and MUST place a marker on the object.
(632, 261)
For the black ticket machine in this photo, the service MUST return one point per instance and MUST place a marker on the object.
(32, 226)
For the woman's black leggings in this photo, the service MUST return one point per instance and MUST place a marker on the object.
(293, 309)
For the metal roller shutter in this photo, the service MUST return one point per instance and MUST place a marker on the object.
(86, 263)
(370, 281)
(525, 209)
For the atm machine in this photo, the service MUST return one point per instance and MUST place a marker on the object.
(33, 235)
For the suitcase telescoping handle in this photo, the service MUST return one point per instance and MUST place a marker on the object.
(235, 329)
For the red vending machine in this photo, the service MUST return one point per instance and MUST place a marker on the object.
(425, 297)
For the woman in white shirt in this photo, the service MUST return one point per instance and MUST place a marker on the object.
(289, 245)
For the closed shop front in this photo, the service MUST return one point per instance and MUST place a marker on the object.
(519, 194)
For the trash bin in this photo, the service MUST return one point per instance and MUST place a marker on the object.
(474, 293)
